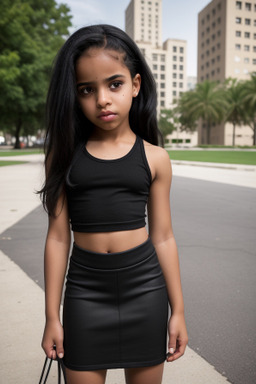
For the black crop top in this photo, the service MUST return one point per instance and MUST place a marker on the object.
(108, 195)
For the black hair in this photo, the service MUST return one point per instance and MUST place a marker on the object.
(66, 124)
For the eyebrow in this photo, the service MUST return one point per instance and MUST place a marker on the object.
(106, 80)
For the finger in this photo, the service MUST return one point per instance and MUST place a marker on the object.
(172, 343)
(48, 349)
(59, 349)
(180, 350)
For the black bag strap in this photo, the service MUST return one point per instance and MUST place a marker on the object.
(47, 368)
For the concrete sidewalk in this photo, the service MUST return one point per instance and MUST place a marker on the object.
(22, 300)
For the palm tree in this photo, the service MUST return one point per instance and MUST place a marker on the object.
(207, 102)
(235, 113)
(249, 100)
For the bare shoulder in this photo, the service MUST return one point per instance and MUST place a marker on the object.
(158, 159)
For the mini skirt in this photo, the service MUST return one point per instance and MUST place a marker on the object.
(115, 309)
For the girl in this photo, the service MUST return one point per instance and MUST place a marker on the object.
(103, 166)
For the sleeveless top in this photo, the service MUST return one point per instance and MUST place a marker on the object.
(108, 195)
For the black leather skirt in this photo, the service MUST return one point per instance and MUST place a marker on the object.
(115, 310)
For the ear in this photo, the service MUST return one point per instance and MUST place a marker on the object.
(136, 82)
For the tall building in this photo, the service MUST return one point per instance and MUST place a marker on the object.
(168, 60)
(227, 48)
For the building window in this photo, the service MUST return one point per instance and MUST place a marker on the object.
(238, 47)
(174, 49)
(162, 103)
(202, 67)
(174, 58)
(162, 76)
(181, 85)
(154, 56)
(174, 75)
(254, 22)
(254, 48)
(238, 33)
(174, 93)
(162, 67)
(254, 36)
(219, 6)
(174, 84)
(247, 21)
(162, 94)
(181, 59)
(254, 61)
(247, 35)
(246, 60)
(238, 20)
(154, 66)
(247, 48)
(174, 66)
(213, 49)
(181, 49)
(218, 58)
(155, 75)
(213, 73)
(181, 76)
(248, 6)
(238, 4)
(163, 58)
(219, 20)
(181, 67)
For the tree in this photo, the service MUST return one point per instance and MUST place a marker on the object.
(249, 103)
(165, 123)
(207, 102)
(235, 113)
(31, 32)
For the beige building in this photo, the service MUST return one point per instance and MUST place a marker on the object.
(168, 60)
(227, 48)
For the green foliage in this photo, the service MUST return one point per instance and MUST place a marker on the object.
(235, 111)
(206, 102)
(166, 122)
(249, 103)
(31, 32)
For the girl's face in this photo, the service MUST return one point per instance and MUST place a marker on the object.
(105, 88)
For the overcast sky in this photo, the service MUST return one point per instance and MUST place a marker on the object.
(179, 19)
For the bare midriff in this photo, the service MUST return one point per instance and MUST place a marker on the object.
(111, 242)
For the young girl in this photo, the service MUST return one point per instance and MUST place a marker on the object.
(103, 167)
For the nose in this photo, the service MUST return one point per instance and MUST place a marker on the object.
(103, 97)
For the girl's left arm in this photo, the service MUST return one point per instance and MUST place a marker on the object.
(161, 234)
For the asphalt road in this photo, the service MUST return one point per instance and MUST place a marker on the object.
(215, 229)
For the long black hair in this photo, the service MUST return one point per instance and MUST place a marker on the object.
(66, 124)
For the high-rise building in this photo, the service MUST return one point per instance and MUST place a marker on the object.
(168, 60)
(227, 48)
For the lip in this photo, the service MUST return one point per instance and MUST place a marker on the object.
(107, 116)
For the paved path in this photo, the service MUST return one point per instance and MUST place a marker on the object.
(22, 300)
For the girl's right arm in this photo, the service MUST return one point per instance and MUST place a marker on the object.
(55, 264)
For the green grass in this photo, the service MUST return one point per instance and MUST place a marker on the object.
(4, 163)
(229, 157)
(20, 152)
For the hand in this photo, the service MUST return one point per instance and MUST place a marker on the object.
(53, 336)
(178, 337)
